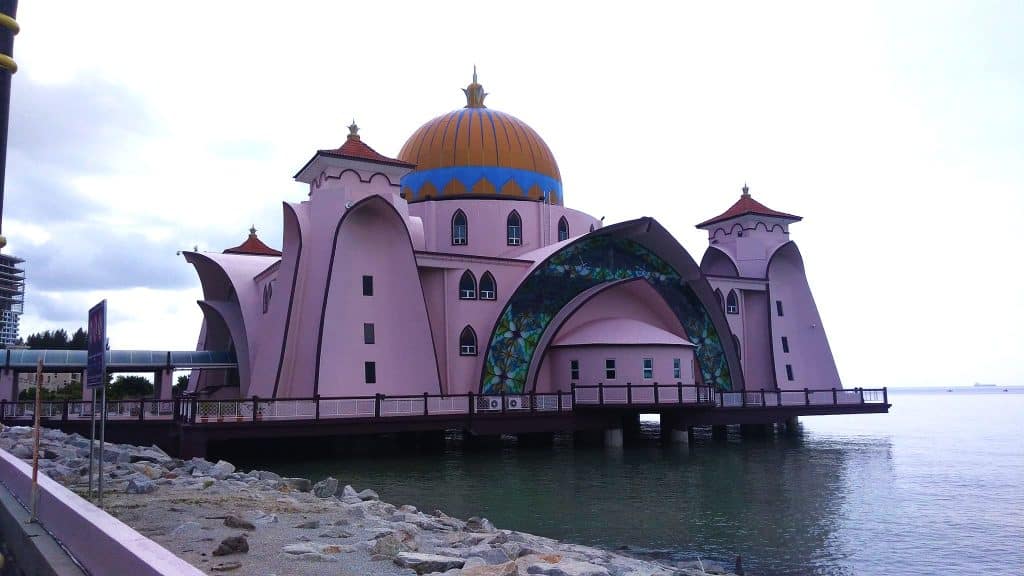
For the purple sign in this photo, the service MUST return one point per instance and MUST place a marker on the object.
(96, 368)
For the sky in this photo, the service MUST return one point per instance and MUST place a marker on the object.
(896, 129)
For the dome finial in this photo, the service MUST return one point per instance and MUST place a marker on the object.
(353, 130)
(252, 230)
(475, 93)
(746, 190)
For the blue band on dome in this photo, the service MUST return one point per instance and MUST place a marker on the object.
(468, 176)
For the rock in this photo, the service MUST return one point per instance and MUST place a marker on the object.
(266, 475)
(494, 555)
(221, 469)
(506, 569)
(427, 563)
(313, 551)
(148, 470)
(232, 545)
(309, 524)
(326, 488)
(262, 518)
(567, 567)
(199, 464)
(392, 544)
(186, 529)
(476, 524)
(368, 495)
(140, 486)
(226, 566)
(336, 533)
(22, 451)
(235, 522)
(300, 484)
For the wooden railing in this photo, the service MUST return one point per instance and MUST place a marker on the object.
(192, 409)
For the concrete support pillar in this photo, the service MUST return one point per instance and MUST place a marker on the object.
(719, 432)
(754, 430)
(8, 385)
(792, 425)
(681, 435)
(613, 438)
(86, 391)
(631, 425)
(164, 384)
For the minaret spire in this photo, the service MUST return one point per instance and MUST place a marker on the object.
(475, 93)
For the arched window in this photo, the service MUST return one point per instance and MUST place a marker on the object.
(460, 229)
(488, 287)
(514, 229)
(736, 343)
(268, 294)
(467, 286)
(467, 342)
(591, 227)
(721, 298)
(563, 229)
(732, 303)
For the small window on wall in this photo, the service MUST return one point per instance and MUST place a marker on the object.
(370, 371)
(367, 285)
(609, 369)
(778, 307)
(789, 372)
(368, 333)
(268, 293)
(460, 229)
(488, 287)
(467, 342)
(677, 368)
(732, 303)
(467, 286)
(514, 229)
(648, 368)
(574, 370)
(785, 345)
(563, 229)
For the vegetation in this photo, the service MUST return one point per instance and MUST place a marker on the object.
(58, 340)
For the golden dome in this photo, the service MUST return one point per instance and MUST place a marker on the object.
(476, 151)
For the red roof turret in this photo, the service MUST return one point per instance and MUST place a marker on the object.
(253, 246)
(747, 205)
(355, 149)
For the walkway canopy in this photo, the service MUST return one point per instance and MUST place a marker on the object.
(119, 360)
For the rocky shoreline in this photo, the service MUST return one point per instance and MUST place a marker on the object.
(223, 520)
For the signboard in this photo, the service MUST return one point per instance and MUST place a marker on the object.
(96, 368)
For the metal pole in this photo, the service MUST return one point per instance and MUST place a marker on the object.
(103, 435)
(92, 438)
(35, 440)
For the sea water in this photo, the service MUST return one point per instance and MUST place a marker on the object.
(934, 487)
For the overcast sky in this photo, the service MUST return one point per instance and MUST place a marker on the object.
(895, 129)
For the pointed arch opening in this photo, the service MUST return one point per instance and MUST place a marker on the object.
(467, 342)
(732, 303)
(721, 298)
(488, 287)
(467, 286)
(514, 229)
(563, 229)
(460, 229)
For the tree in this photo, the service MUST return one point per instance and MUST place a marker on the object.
(127, 387)
(180, 386)
(58, 340)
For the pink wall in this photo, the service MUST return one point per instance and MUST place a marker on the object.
(628, 365)
(373, 241)
(809, 352)
(756, 352)
(487, 220)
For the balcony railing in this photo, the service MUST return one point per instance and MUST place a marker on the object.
(191, 409)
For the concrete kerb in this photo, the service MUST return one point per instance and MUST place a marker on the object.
(100, 543)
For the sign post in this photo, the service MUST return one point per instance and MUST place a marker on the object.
(96, 377)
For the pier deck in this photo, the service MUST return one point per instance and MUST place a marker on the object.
(186, 425)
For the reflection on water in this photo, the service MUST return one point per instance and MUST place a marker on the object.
(899, 493)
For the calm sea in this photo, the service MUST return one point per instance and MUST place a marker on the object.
(934, 487)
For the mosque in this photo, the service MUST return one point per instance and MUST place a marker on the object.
(456, 267)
